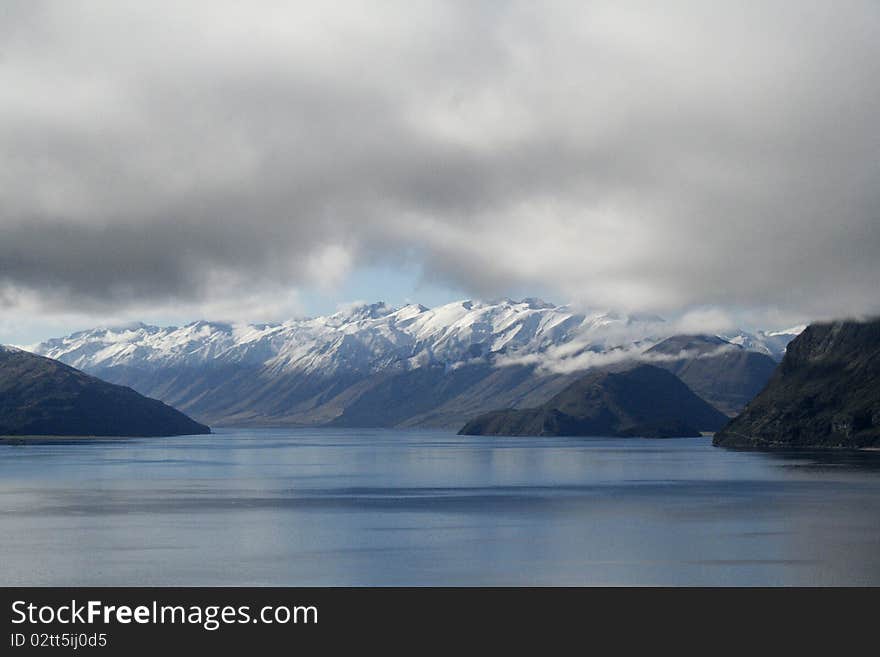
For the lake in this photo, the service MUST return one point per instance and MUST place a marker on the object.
(380, 507)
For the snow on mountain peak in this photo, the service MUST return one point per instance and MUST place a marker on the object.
(367, 337)
(794, 330)
(772, 343)
(360, 337)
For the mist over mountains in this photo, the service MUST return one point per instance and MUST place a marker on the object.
(724, 373)
(376, 365)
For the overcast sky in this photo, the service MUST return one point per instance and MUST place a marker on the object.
(257, 160)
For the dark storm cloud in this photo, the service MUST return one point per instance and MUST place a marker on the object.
(624, 154)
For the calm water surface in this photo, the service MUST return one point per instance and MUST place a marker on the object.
(375, 507)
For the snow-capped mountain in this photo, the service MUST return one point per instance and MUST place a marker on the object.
(367, 338)
(772, 343)
(368, 364)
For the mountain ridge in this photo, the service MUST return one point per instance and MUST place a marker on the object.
(41, 396)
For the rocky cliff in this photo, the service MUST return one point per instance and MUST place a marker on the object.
(825, 393)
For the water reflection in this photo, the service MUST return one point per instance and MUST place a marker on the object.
(306, 507)
(817, 459)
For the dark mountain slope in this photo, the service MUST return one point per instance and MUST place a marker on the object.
(40, 396)
(825, 393)
(640, 400)
(724, 374)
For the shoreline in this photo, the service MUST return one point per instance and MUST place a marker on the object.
(63, 440)
(74, 440)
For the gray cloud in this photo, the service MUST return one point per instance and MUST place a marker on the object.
(624, 154)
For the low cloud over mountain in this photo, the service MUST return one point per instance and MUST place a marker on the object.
(622, 154)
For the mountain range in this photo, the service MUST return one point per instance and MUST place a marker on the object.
(376, 365)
